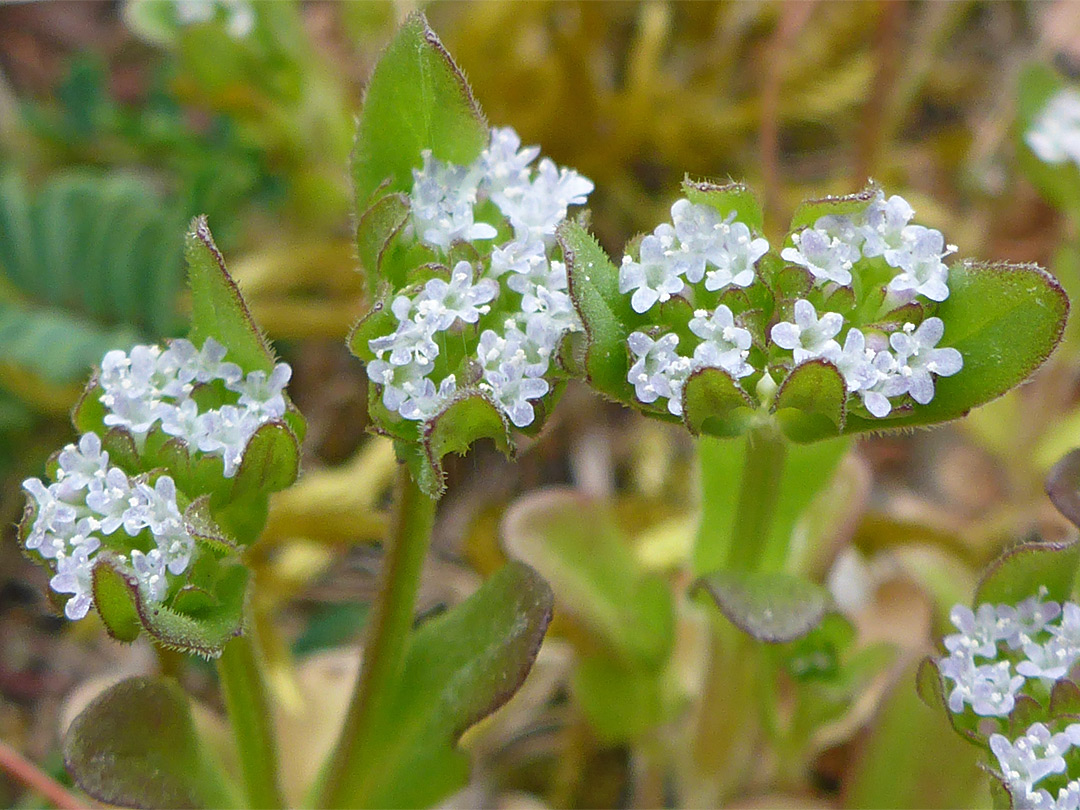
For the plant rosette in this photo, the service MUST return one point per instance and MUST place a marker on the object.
(859, 321)
(456, 231)
(145, 518)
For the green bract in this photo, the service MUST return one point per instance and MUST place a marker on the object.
(857, 324)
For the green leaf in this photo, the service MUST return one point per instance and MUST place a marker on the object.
(465, 419)
(605, 312)
(377, 322)
(460, 667)
(270, 463)
(112, 598)
(898, 763)
(1021, 571)
(416, 99)
(200, 524)
(810, 403)
(774, 608)
(727, 199)
(810, 211)
(1005, 320)
(377, 226)
(596, 578)
(715, 404)
(621, 703)
(217, 309)
(135, 746)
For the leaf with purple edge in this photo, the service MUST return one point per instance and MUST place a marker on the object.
(270, 463)
(810, 211)
(811, 402)
(1005, 320)
(465, 419)
(376, 227)
(218, 310)
(135, 745)
(727, 199)
(715, 404)
(1021, 571)
(771, 607)
(417, 98)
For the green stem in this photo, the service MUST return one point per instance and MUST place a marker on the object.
(240, 672)
(759, 492)
(388, 636)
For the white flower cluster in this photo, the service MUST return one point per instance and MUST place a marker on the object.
(700, 245)
(1000, 647)
(1035, 756)
(830, 249)
(153, 386)
(513, 354)
(91, 500)
(875, 366)
(1054, 136)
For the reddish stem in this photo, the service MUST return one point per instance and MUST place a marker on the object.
(32, 777)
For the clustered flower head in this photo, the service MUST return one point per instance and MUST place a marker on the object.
(1002, 652)
(510, 307)
(1054, 135)
(93, 506)
(1039, 757)
(1001, 647)
(154, 387)
(84, 511)
(701, 252)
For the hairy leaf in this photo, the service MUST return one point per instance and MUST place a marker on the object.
(416, 99)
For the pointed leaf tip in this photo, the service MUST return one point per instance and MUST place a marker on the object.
(218, 309)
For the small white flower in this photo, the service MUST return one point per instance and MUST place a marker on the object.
(884, 227)
(653, 360)
(1051, 660)
(724, 345)
(78, 466)
(442, 200)
(654, 278)
(809, 336)
(827, 257)
(923, 272)
(918, 360)
(505, 162)
(74, 574)
(512, 389)
(441, 303)
(978, 631)
(109, 499)
(734, 264)
(262, 394)
(149, 570)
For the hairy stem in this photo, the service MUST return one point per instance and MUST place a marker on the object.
(241, 675)
(387, 641)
